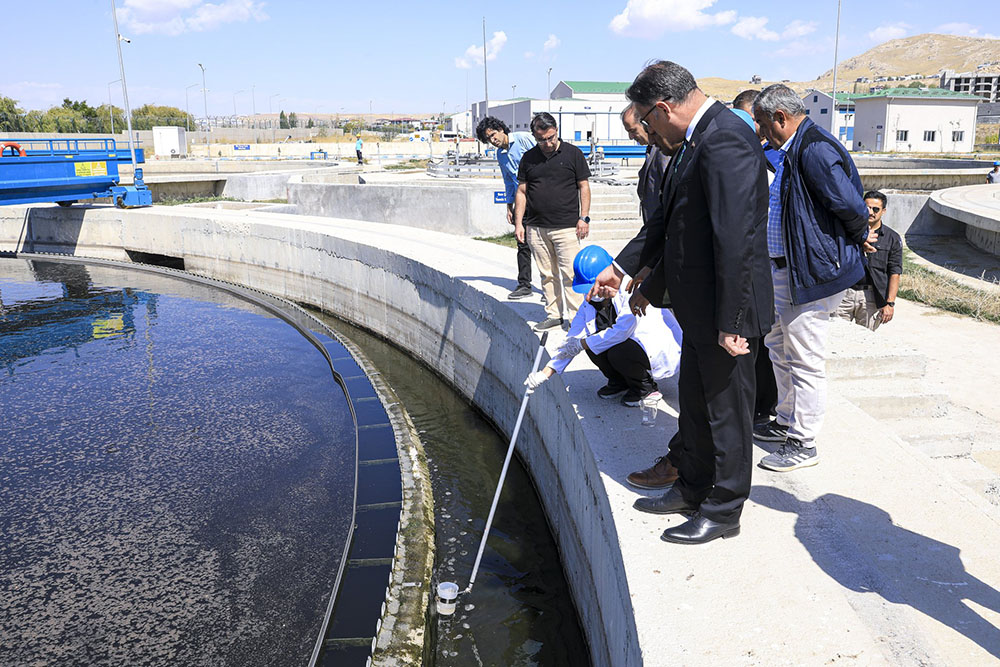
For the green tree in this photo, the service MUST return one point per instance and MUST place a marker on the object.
(148, 115)
(293, 120)
(11, 116)
(282, 121)
(310, 124)
(916, 84)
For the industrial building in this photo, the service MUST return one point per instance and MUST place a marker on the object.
(818, 106)
(914, 120)
(982, 84)
(584, 110)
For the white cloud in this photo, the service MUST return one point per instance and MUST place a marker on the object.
(551, 43)
(474, 54)
(528, 55)
(754, 27)
(173, 17)
(798, 28)
(648, 19)
(963, 29)
(888, 31)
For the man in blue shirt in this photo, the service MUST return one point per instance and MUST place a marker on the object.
(510, 146)
(357, 148)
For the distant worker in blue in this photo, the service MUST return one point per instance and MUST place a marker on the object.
(510, 146)
(993, 177)
(358, 145)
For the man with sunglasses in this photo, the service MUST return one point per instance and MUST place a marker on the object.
(872, 300)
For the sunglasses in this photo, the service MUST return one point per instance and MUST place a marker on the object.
(874, 209)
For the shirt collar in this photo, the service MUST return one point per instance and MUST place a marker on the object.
(697, 117)
(784, 146)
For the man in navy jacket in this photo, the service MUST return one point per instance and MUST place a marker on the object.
(816, 229)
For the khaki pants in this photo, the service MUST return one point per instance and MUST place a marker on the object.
(859, 307)
(554, 251)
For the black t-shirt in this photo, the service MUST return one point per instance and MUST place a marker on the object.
(551, 182)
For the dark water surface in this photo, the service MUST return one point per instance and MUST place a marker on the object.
(520, 611)
(176, 473)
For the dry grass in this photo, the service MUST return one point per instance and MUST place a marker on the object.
(924, 286)
(412, 163)
(507, 240)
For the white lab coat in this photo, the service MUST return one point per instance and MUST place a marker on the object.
(657, 332)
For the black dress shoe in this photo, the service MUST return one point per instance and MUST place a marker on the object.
(671, 502)
(698, 530)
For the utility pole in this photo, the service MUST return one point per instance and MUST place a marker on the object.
(836, 45)
(128, 113)
(187, 105)
(204, 91)
(548, 88)
(486, 78)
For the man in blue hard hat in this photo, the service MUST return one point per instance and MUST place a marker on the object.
(993, 177)
(632, 353)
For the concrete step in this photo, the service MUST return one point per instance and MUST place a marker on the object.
(598, 211)
(849, 364)
(615, 199)
(948, 436)
(972, 473)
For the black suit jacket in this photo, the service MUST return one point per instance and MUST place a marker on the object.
(714, 270)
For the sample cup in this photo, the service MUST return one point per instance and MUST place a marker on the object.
(447, 598)
(648, 408)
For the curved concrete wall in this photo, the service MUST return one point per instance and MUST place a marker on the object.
(978, 208)
(429, 293)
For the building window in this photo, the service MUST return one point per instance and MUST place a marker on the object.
(958, 135)
(929, 135)
(815, 98)
(902, 135)
(822, 111)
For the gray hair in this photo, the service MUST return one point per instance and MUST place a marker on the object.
(778, 96)
(663, 80)
(627, 110)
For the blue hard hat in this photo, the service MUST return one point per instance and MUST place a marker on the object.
(587, 264)
(747, 118)
(996, 163)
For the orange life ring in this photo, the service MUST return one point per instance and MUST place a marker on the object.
(18, 151)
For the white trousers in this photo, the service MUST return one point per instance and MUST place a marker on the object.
(797, 344)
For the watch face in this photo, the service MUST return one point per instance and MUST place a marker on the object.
(586, 219)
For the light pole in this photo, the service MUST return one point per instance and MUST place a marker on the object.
(204, 91)
(836, 45)
(187, 105)
(234, 104)
(136, 174)
(513, 106)
(548, 88)
(111, 105)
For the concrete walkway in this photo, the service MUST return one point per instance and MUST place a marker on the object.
(879, 555)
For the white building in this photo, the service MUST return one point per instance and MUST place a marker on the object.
(984, 85)
(460, 122)
(914, 120)
(819, 106)
(584, 111)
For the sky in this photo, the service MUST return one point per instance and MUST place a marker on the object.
(394, 57)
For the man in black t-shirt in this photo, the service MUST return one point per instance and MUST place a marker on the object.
(552, 214)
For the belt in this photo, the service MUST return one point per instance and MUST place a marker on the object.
(779, 262)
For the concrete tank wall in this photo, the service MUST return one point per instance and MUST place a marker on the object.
(423, 290)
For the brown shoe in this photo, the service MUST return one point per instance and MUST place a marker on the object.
(661, 475)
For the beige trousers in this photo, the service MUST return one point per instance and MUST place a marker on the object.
(859, 307)
(554, 251)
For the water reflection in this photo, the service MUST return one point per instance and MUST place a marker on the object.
(520, 612)
(176, 473)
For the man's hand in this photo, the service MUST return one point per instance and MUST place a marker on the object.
(734, 344)
(634, 283)
(582, 229)
(510, 215)
(535, 380)
(519, 231)
(887, 312)
(607, 283)
(869, 245)
(638, 303)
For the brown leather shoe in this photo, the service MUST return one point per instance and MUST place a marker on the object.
(661, 475)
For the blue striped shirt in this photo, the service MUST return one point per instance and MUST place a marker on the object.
(775, 242)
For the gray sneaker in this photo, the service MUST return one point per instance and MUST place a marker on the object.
(790, 456)
(772, 431)
(548, 323)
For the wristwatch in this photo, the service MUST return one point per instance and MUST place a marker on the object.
(891, 303)
(586, 219)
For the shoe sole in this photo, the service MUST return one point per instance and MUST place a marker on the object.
(732, 532)
(608, 397)
(649, 486)
(540, 329)
(685, 512)
(511, 297)
(770, 438)
(805, 464)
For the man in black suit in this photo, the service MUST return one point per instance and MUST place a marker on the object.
(714, 272)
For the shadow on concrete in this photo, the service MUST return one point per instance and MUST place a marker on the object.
(956, 254)
(901, 566)
(51, 229)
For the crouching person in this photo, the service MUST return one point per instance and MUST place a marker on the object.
(632, 353)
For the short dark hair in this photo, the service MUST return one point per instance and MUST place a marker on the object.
(663, 80)
(490, 123)
(543, 121)
(875, 194)
(745, 100)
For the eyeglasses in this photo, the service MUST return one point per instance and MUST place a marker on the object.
(874, 209)
(642, 121)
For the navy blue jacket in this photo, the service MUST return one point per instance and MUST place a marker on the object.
(824, 220)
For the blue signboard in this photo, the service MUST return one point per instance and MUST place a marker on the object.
(241, 147)
(500, 197)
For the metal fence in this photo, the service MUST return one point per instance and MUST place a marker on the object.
(476, 166)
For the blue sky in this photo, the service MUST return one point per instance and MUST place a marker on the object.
(324, 57)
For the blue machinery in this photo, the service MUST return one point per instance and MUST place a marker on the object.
(68, 170)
